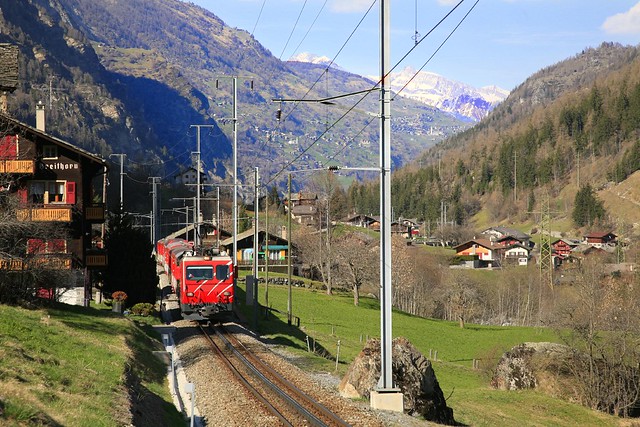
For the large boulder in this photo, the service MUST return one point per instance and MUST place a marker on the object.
(531, 365)
(412, 373)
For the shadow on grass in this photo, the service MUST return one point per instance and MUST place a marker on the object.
(269, 321)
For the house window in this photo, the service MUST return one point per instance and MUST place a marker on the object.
(51, 246)
(50, 151)
(45, 192)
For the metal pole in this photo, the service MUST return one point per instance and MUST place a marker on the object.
(266, 252)
(386, 378)
(256, 246)
(197, 229)
(121, 156)
(289, 252)
(218, 217)
(235, 184)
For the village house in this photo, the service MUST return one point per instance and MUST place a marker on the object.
(601, 239)
(508, 236)
(304, 208)
(57, 183)
(361, 220)
(189, 178)
(482, 253)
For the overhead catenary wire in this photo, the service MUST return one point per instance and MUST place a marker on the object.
(293, 29)
(437, 50)
(314, 142)
(310, 27)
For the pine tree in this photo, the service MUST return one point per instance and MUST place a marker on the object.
(587, 208)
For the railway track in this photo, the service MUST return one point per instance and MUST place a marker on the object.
(279, 397)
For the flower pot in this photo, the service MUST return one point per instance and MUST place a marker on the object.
(117, 306)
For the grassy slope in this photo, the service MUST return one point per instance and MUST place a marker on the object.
(327, 319)
(69, 366)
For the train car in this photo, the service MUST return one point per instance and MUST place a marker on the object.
(202, 284)
(205, 287)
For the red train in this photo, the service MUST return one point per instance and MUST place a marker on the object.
(202, 282)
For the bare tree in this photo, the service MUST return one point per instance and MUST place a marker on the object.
(604, 326)
(23, 271)
(356, 256)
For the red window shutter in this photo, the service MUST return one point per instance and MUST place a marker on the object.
(23, 195)
(8, 147)
(57, 246)
(71, 193)
(35, 246)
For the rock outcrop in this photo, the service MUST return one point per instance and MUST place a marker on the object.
(412, 373)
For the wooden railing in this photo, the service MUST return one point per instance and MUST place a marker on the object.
(45, 214)
(96, 260)
(94, 213)
(49, 262)
(17, 166)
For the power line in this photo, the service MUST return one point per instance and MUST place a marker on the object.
(310, 27)
(438, 49)
(293, 29)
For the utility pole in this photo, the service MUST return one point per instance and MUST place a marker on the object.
(198, 240)
(121, 156)
(515, 176)
(289, 207)
(385, 396)
(155, 180)
(256, 247)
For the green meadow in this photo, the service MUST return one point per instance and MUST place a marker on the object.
(324, 320)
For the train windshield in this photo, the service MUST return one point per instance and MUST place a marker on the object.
(222, 272)
(200, 272)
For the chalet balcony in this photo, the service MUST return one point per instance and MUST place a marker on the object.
(51, 262)
(17, 166)
(12, 264)
(58, 214)
(96, 259)
(42, 262)
(94, 213)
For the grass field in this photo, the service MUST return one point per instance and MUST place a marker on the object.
(325, 320)
(73, 366)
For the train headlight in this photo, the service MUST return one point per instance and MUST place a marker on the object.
(226, 293)
(189, 294)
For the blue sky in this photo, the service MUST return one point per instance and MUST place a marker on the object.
(501, 42)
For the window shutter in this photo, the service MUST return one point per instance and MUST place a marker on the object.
(71, 193)
(9, 147)
(22, 195)
(35, 246)
(57, 246)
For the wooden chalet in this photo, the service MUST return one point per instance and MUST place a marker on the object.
(485, 253)
(507, 236)
(275, 249)
(600, 239)
(58, 183)
(361, 220)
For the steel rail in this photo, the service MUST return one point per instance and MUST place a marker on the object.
(272, 409)
(298, 406)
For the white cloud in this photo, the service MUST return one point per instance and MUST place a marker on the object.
(624, 23)
(349, 6)
(448, 2)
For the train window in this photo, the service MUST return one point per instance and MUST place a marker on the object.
(222, 272)
(199, 272)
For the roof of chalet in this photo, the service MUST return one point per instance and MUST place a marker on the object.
(517, 245)
(359, 216)
(249, 233)
(304, 210)
(505, 231)
(599, 234)
(481, 242)
(570, 242)
(52, 139)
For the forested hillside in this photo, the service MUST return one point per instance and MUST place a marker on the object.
(571, 125)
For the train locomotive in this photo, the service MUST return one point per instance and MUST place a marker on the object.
(202, 281)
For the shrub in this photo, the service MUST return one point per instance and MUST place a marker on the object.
(142, 309)
(119, 296)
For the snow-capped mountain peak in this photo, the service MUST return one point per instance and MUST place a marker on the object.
(315, 59)
(460, 99)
